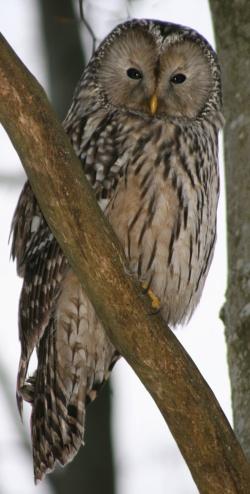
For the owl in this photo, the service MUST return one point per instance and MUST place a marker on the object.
(144, 122)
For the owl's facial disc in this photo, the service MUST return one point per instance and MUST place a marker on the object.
(138, 74)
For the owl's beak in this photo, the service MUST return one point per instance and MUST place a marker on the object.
(153, 104)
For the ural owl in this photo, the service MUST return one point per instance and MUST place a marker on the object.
(144, 122)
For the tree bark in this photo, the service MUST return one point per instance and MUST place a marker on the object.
(189, 407)
(232, 31)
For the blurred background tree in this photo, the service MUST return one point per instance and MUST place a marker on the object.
(232, 31)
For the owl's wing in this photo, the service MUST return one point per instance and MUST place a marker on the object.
(42, 264)
(27, 212)
(102, 164)
(74, 353)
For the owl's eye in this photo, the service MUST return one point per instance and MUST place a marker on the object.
(178, 78)
(133, 73)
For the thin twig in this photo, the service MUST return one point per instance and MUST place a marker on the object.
(88, 26)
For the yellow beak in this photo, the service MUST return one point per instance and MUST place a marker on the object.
(153, 104)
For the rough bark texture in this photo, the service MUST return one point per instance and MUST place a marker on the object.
(232, 31)
(189, 407)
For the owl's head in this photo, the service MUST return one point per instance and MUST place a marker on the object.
(159, 69)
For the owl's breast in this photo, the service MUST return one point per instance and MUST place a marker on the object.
(164, 213)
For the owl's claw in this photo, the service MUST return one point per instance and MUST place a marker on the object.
(155, 301)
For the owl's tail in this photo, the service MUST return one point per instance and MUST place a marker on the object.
(57, 420)
(74, 359)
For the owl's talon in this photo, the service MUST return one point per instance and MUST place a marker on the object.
(155, 301)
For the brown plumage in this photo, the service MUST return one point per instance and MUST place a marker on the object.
(144, 122)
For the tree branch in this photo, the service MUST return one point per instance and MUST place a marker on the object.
(190, 409)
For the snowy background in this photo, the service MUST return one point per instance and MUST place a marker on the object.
(146, 456)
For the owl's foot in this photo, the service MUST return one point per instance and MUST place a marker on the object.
(155, 301)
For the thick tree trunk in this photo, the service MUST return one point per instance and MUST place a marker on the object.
(195, 418)
(232, 30)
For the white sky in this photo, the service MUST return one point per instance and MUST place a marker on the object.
(146, 455)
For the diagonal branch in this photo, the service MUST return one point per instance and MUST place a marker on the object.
(189, 407)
